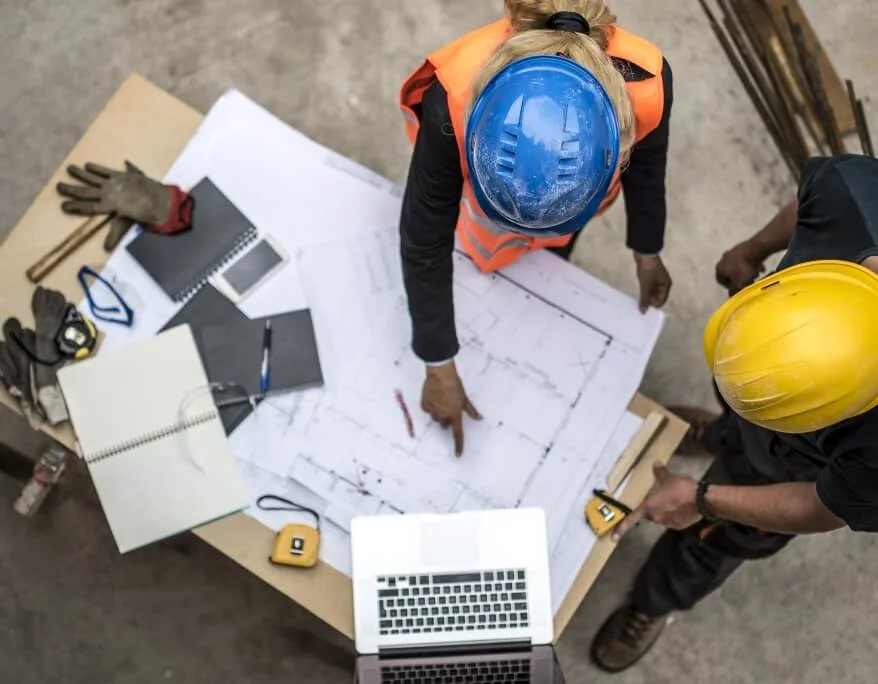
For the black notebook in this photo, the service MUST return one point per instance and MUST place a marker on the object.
(234, 351)
(210, 308)
(182, 263)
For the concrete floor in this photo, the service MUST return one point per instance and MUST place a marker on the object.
(74, 611)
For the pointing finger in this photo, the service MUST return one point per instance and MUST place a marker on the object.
(457, 430)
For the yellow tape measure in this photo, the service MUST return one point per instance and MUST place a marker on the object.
(603, 513)
(296, 545)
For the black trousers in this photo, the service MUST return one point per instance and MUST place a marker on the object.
(685, 566)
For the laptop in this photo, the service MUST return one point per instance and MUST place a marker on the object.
(460, 597)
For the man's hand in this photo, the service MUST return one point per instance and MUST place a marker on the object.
(740, 266)
(445, 400)
(672, 504)
(654, 279)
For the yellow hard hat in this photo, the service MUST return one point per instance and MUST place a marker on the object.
(798, 351)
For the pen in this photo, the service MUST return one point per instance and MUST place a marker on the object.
(407, 417)
(265, 371)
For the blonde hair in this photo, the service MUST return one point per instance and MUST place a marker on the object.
(528, 18)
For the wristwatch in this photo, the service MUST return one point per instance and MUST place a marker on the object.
(701, 503)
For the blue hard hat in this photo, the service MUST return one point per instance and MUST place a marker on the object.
(542, 145)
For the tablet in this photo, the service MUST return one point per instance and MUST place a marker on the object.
(250, 270)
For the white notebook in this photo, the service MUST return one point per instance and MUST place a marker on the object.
(153, 440)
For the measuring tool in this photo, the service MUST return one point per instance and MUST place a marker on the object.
(77, 336)
(296, 545)
(603, 512)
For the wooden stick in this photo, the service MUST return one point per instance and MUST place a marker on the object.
(814, 83)
(750, 88)
(864, 123)
(651, 425)
(769, 96)
(786, 109)
(860, 120)
(83, 233)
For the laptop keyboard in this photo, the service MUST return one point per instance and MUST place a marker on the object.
(452, 602)
(499, 672)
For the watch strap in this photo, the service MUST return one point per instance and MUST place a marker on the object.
(701, 501)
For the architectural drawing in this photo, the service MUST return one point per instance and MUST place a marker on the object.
(551, 381)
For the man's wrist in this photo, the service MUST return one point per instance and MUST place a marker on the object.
(436, 364)
(702, 502)
(645, 256)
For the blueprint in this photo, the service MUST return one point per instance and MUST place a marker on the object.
(549, 355)
(551, 381)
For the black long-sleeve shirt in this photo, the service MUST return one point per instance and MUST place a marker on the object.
(432, 201)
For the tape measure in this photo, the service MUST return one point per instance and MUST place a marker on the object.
(77, 336)
(296, 545)
(603, 513)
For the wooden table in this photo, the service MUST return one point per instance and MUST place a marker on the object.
(150, 127)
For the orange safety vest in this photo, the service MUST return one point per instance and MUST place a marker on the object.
(456, 66)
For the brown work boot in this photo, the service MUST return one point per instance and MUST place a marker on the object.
(693, 443)
(625, 638)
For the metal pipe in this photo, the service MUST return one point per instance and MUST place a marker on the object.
(860, 120)
(749, 87)
(780, 116)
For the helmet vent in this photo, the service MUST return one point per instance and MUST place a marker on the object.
(507, 153)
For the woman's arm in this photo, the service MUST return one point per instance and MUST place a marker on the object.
(427, 223)
(643, 181)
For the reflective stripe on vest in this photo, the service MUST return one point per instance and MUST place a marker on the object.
(455, 66)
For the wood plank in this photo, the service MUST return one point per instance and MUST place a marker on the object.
(835, 88)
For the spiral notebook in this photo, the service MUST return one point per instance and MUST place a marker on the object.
(152, 438)
(181, 263)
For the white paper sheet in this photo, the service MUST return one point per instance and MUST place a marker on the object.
(550, 355)
(552, 382)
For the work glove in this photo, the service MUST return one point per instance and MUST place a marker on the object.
(16, 370)
(49, 308)
(130, 195)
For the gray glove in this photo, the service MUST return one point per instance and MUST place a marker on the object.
(128, 194)
(49, 308)
(16, 370)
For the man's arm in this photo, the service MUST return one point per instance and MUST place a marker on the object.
(776, 235)
(429, 216)
(786, 508)
(742, 264)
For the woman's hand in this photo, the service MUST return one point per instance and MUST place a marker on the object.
(445, 400)
(739, 267)
(655, 281)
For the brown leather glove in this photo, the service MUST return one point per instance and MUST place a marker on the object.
(129, 195)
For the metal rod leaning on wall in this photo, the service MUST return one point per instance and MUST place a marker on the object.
(860, 120)
(783, 61)
(750, 88)
(814, 83)
(774, 105)
(785, 101)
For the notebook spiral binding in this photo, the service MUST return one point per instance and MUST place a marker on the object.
(201, 279)
(194, 421)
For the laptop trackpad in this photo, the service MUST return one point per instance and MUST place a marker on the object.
(443, 538)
